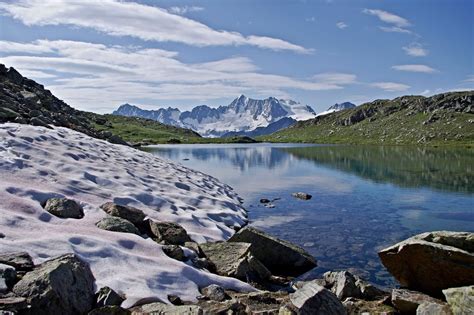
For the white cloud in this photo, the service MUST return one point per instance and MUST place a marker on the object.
(185, 9)
(391, 86)
(89, 75)
(415, 68)
(470, 78)
(388, 17)
(341, 25)
(120, 18)
(415, 50)
(394, 29)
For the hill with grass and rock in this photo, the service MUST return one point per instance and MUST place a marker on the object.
(446, 118)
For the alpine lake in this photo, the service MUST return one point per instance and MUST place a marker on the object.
(364, 198)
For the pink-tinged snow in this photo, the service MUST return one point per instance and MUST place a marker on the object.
(38, 163)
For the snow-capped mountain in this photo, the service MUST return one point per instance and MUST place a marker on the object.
(337, 107)
(243, 114)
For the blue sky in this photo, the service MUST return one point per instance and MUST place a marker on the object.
(97, 55)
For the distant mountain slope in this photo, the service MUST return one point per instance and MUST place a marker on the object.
(243, 114)
(440, 119)
(24, 101)
(285, 122)
(337, 107)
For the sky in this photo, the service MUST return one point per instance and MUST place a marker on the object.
(97, 55)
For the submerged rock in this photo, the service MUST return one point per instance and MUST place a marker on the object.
(169, 233)
(280, 257)
(116, 224)
(63, 285)
(461, 300)
(302, 195)
(64, 208)
(315, 299)
(431, 262)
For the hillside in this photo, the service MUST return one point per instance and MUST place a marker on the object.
(25, 101)
(440, 119)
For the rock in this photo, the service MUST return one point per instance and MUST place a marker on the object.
(109, 310)
(2, 235)
(117, 140)
(431, 262)
(461, 300)
(407, 301)
(116, 224)
(214, 292)
(134, 215)
(174, 251)
(175, 300)
(21, 261)
(12, 304)
(160, 308)
(169, 233)
(204, 263)
(433, 309)
(262, 302)
(280, 257)
(108, 297)
(195, 248)
(342, 284)
(302, 195)
(315, 299)
(357, 306)
(369, 291)
(7, 277)
(63, 285)
(264, 200)
(64, 208)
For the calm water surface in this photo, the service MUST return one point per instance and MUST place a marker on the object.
(364, 197)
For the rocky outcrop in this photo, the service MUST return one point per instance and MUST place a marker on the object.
(63, 285)
(315, 299)
(460, 300)
(64, 208)
(280, 257)
(431, 262)
(116, 224)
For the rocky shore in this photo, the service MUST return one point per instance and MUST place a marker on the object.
(435, 270)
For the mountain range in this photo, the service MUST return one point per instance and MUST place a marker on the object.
(244, 116)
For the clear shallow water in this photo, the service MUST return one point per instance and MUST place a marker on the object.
(364, 197)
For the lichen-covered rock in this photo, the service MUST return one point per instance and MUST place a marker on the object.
(428, 308)
(134, 215)
(169, 233)
(21, 261)
(214, 292)
(63, 285)
(108, 297)
(280, 257)
(64, 208)
(461, 300)
(431, 262)
(116, 224)
(316, 300)
(407, 301)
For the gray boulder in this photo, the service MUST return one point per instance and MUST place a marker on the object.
(169, 233)
(63, 285)
(431, 262)
(344, 284)
(108, 297)
(7, 277)
(461, 300)
(280, 257)
(316, 300)
(21, 261)
(214, 292)
(433, 309)
(161, 308)
(174, 251)
(407, 301)
(134, 215)
(302, 195)
(64, 208)
(116, 224)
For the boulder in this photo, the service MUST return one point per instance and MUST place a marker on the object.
(407, 301)
(7, 277)
(235, 260)
(356, 306)
(13, 304)
(280, 257)
(315, 299)
(262, 302)
(109, 310)
(169, 233)
(174, 251)
(116, 224)
(302, 195)
(431, 262)
(428, 308)
(21, 261)
(344, 284)
(134, 215)
(214, 292)
(161, 308)
(461, 300)
(64, 208)
(63, 285)
(108, 297)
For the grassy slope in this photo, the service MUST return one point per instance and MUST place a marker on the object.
(393, 123)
